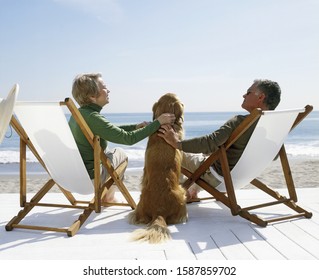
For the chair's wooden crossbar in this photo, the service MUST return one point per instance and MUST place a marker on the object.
(302, 115)
(87, 206)
(58, 205)
(229, 198)
(288, 217)
(266, 204)
(42, 228)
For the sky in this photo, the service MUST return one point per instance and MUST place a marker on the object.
(208, 52)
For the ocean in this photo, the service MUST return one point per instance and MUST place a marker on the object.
(302, 142)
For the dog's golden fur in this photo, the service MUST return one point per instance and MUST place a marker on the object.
(162, 200)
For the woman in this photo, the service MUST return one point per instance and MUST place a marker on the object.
(91, 93)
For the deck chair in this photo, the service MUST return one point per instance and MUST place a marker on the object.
(44, 129)
(264, 145)
(6, 110)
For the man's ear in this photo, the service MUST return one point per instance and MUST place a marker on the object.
(261, 101)
(262, 97)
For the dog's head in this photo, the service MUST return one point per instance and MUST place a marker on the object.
(169, 103)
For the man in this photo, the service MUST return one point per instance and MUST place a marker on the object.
(263, 94)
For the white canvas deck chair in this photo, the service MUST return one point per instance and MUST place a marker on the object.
(6, 110)
(265, 143)
(44, 129)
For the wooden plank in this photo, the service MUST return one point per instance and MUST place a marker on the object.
(314, 208)
(309, 226)
(299, 236)
(178, 250)
(206, 249)
(256, 244)
(230, 246)
(287, 247)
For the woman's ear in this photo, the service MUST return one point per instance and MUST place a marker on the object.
(92, 98)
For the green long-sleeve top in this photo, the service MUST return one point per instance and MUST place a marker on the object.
(126, 134)
(208, 144)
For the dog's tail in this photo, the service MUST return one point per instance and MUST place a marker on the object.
(156, 232)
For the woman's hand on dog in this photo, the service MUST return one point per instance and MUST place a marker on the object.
(143, 124)
(169, 135)
(166, 118)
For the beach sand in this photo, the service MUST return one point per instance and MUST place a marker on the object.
(305, 174)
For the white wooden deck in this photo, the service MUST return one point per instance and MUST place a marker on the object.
(211, 233)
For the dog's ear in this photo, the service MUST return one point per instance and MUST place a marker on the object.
(179, 111)
(154, 110)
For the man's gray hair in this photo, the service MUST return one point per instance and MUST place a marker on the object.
(271, 90)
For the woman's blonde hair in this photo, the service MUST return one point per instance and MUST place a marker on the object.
(84, 87)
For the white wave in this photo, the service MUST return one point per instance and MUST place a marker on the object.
(14, 157)
(137, 155)
(201, 123)
(302, 150)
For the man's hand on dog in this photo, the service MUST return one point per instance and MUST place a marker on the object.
(169, 135)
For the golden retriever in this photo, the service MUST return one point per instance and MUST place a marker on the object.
(162, 200)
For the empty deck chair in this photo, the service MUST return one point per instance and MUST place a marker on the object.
(265, 143)
(6, 110)
(44, 129)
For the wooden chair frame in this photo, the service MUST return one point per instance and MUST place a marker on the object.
(87, 206)
(228, 198)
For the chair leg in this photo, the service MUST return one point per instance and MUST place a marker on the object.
(253, 218)
(287, 173)
(29, 206)
(234, 207)
(23, 172)
(73, 229)
(114, 174)
(69, 196)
